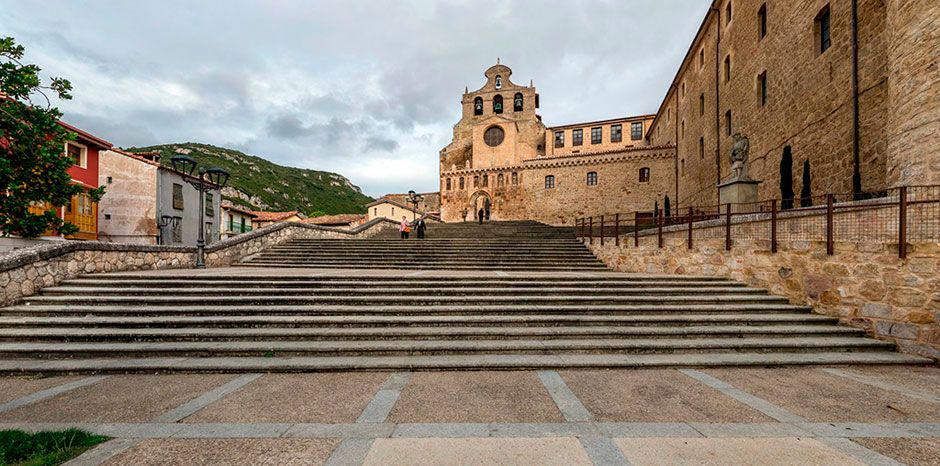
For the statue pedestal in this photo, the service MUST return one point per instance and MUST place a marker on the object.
(738, 192)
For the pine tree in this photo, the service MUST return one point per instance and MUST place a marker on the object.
(806, 193)
(666, 205)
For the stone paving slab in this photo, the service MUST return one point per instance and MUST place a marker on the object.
(475, 397)
(563, 451)
(227, 452)
(132, 398)
(292, 398)
(724, 451)
(918, 451)
(924, 379)
(654, 396)
(818, 396)
(12, 388)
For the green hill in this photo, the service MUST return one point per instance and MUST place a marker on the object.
(259, 184)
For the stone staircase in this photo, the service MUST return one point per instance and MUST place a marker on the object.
(527, 246)
(293, 319)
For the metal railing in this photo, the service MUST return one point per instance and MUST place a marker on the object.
(903, 215)
(237, 229)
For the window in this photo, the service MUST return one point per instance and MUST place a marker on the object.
(728, 122)
(644, 175)
(596, 135)
(209, 234)
(577, 137)
(701, 104)
(499, 82)
(550, 182)
(231, 222)
(461, 183)
(486, 181)
(592, 179)
(762, 22)
(701, 147)
(762, 89)
(375, 211)
(500, 180)
(177, 196)
(493, 136)
(515, 178)
(448, 184)
(498, 104)
(683, 89)
(476, 181)
(616, 133)
(176, 234)
(683, 128)
(728, 68)
(393, 211)
(78, 154)
(823, 40)
(728, 12)
(210, 206)
(636, 130)
(478, 106)
(682, 167)
(559, 139)
(701, 59)
(517, 102)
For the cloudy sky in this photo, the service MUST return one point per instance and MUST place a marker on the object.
(368, 89)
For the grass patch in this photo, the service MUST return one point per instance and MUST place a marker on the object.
(44, 448)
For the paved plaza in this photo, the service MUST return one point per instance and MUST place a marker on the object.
(803, 415)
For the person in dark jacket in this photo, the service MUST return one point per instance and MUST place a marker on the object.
(420, 227)
(480, 216)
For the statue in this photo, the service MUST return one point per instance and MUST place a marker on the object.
(739, 153)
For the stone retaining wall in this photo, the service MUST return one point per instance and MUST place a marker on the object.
(863, 284)
(23, 272)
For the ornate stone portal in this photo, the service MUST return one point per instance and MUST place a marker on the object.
(740, 189)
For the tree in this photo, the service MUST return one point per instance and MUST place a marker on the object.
(666, 205)
(806, 192)
(33, 163)
(786, 179)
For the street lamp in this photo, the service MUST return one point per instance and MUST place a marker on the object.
(414, 198)
(166, 221)
(205, 181)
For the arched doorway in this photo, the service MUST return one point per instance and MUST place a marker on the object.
(481, 200)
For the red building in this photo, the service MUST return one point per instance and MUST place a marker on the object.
(81, 211)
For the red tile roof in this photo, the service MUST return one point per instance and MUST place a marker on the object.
(335, 219)
(273, 216)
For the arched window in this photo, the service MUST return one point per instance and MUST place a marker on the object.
(517, 102)
(644, 175)
(486, 181)
(498, 104)
(499, 82)
(478, 106)
(515, 178)
(500, 180)
(461, 183)
(448, 184)
(592, 179)
(476, 181)
(550, 182)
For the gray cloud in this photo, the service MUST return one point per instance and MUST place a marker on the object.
(369, 89)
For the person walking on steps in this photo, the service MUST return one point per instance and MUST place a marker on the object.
(420, 227)
(404, 228)
(480, 216)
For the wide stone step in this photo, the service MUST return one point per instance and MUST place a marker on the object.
(242, 309)
(77, 291)
(489, 277)
(416, 300)
(264, 320)
(398, 333)
(315, 284)
(438, 347)
(446, 362)
(424, 266)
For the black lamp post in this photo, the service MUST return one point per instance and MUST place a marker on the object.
(206, 180)
(414, 198)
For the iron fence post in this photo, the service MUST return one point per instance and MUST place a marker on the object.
(659, 227)
(830, 248)
(902, 222)
(773, 226)
(636, 229)
(616, 229)
(591, 230)
(690, 227)
(727, 227)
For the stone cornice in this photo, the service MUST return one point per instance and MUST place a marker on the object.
(614, 156)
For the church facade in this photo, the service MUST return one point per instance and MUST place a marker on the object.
(505, 164)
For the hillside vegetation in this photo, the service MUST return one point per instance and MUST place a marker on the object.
(259, 184)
